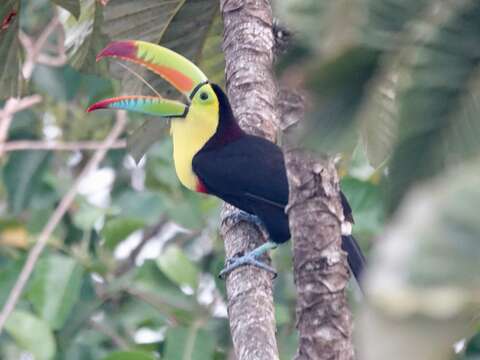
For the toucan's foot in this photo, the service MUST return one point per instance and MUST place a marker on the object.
(241, 215)
(237, 262)
(250, 258)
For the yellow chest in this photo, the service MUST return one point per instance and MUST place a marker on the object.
(189, 136)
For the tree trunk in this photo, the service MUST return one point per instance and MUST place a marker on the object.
(248, 45)
(320, 266)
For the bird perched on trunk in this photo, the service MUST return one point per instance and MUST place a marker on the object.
(213, 155)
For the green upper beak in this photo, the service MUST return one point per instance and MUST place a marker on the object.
(177, 70)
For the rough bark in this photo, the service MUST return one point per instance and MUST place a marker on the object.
(248, 45)
(320, 266)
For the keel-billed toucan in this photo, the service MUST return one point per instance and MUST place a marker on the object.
(212, 154)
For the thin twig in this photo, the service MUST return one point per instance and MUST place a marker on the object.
(12, 106)
(56, 217)
(117, 340)
(60, 145)
(33, 49)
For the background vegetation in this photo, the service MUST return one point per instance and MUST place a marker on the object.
(130, 272)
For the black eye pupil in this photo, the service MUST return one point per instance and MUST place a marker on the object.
(204, 96)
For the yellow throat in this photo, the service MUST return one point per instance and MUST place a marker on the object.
(191, 133)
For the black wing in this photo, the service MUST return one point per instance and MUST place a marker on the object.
(250, 174)
(251, 166)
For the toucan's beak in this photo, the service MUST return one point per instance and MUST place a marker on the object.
(177, 70)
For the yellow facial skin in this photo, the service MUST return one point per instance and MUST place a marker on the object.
(191, 133)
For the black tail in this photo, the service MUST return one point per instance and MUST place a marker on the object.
(356, 259)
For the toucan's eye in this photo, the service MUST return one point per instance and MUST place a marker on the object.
(203, 96)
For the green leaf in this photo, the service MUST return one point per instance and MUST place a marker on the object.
(22, 176)
(87, 215)
(144, 206)
(141, 139)
(10, 50)
(189, 344)
(55, 288)
(130, 355)
(385, 20)
(178, 267)
(60, 83)
(339, 85)
(367, 205)
(199, 40)
(379, 119)
(31, 334)
(147, 22)
(435, 118)
(153, 287)
(84, 38)
(9, 271)
(186, 212)
(73, 6)
(118, 229)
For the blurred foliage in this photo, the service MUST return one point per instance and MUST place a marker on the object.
(397, 81)
(392, 84)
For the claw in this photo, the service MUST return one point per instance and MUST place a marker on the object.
(250, 258)
(244, 216)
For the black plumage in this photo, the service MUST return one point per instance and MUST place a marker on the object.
(249, 172)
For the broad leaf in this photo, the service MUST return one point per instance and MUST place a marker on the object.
(31, 334)
(55, 288)
(118, 229)
(437, 71)
(339, 86)
(84, 37)
(367, 205)
(10, 62)
(385, 20)
(151, 281)
(87, 215)
(140, 140)
(9, 271)
(143, 206)
(187, 212)
(379, 118)
(189, 344)
(178, 267)
(22, 176)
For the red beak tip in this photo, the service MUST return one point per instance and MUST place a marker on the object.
(121, 49)
(93, 108)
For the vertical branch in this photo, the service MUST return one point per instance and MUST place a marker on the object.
(248, 47)
(320, 266)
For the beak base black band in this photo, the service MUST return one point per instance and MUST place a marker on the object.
(196, 88)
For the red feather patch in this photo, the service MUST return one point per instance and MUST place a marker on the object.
(201, 187)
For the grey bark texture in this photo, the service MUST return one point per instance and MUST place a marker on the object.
(248, 47)
(320, 266)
